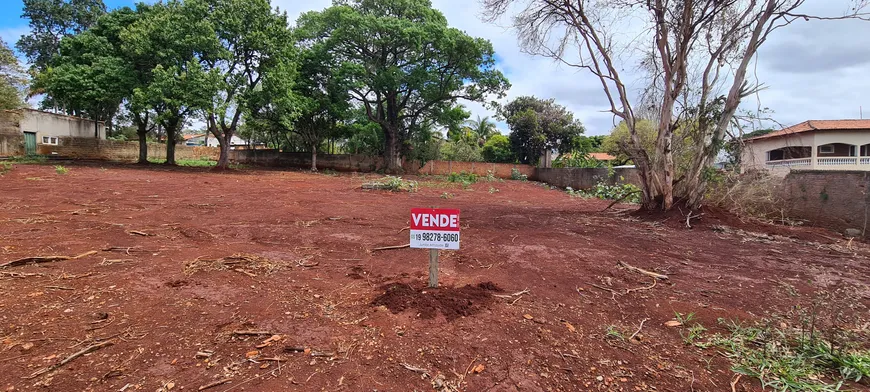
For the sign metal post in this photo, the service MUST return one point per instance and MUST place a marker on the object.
(434, 229)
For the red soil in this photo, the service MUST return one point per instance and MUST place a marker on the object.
(348, 318)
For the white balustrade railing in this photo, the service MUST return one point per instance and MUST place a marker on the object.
(864, 161)
(791, 162)
(836, 161)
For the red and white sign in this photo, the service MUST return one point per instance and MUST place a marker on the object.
(434, 228)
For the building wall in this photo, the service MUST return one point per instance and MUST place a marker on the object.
(58, 125)
(500, 170)
(754, 155)
(585, 178)
(90, 148)
(836, 200)
(11, 138)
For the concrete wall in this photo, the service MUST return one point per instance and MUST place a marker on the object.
(275, 158)
(58, 125)
(11, 138)
(500, 170)
(836, 200)
(585, 178)
(90, 148)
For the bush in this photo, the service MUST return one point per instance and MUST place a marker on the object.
(498, 150)
(516, 175)
(626, 192)
(393, 184)
(754, 195)
(462, 177)
(61, 170)
(576, 159)
(460, 151)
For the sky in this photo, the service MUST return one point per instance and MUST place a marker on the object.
(812, 70)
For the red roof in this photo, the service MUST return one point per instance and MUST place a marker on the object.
(188, 137)
(817, 125)
(602, 156)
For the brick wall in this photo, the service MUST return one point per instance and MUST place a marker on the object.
(90, 148)
(585, 178)
(836, 200)
(337, 162)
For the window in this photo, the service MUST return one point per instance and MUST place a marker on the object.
(49, 140)
(826, 149)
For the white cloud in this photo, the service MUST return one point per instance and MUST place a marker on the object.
(813, 70)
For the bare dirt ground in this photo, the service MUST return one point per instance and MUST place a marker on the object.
(186, 258)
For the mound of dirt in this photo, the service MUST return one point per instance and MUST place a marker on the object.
(452, 302)
(710, 217)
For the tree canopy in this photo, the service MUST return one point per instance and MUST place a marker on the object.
(404, 63)
(538, 125)
(52, 20)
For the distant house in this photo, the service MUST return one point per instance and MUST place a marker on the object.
(810, 145)
(37, 127)
(211, 141)
(602, 156)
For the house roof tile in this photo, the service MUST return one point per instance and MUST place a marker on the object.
(816, 125)
(602, 156)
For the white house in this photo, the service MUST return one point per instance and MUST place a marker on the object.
(200, 139)
(811, 145)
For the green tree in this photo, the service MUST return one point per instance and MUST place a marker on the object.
(460, 151)
(483, 127)
(11, 79)
(175, 36)
(619, 141)
(538, 125)
(252, 39)
(88, 77)
(52, 20)
(404, 61)
(587, 144)
(498, 149)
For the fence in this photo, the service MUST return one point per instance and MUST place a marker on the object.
(584, 178)
(837, 200)
(91, 148)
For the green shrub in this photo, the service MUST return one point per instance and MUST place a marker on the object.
(395, 184)
(61, 170)
(577, 159)
(463, 177)
(626, 192)
(5, 167)
(516, 175)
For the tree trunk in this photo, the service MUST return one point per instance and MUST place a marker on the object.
(96, 129)
(392, 154)
(224, 139)
(314, 157)
(224, 157)
(142, 132)
(171, 129)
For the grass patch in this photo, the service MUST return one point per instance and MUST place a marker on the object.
(788, 359)
(59, 169)
(29, 159)
(5, 167)
(191, 162)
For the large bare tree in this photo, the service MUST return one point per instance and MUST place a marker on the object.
(697, 54)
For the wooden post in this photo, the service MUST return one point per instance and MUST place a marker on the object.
(433, 268)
